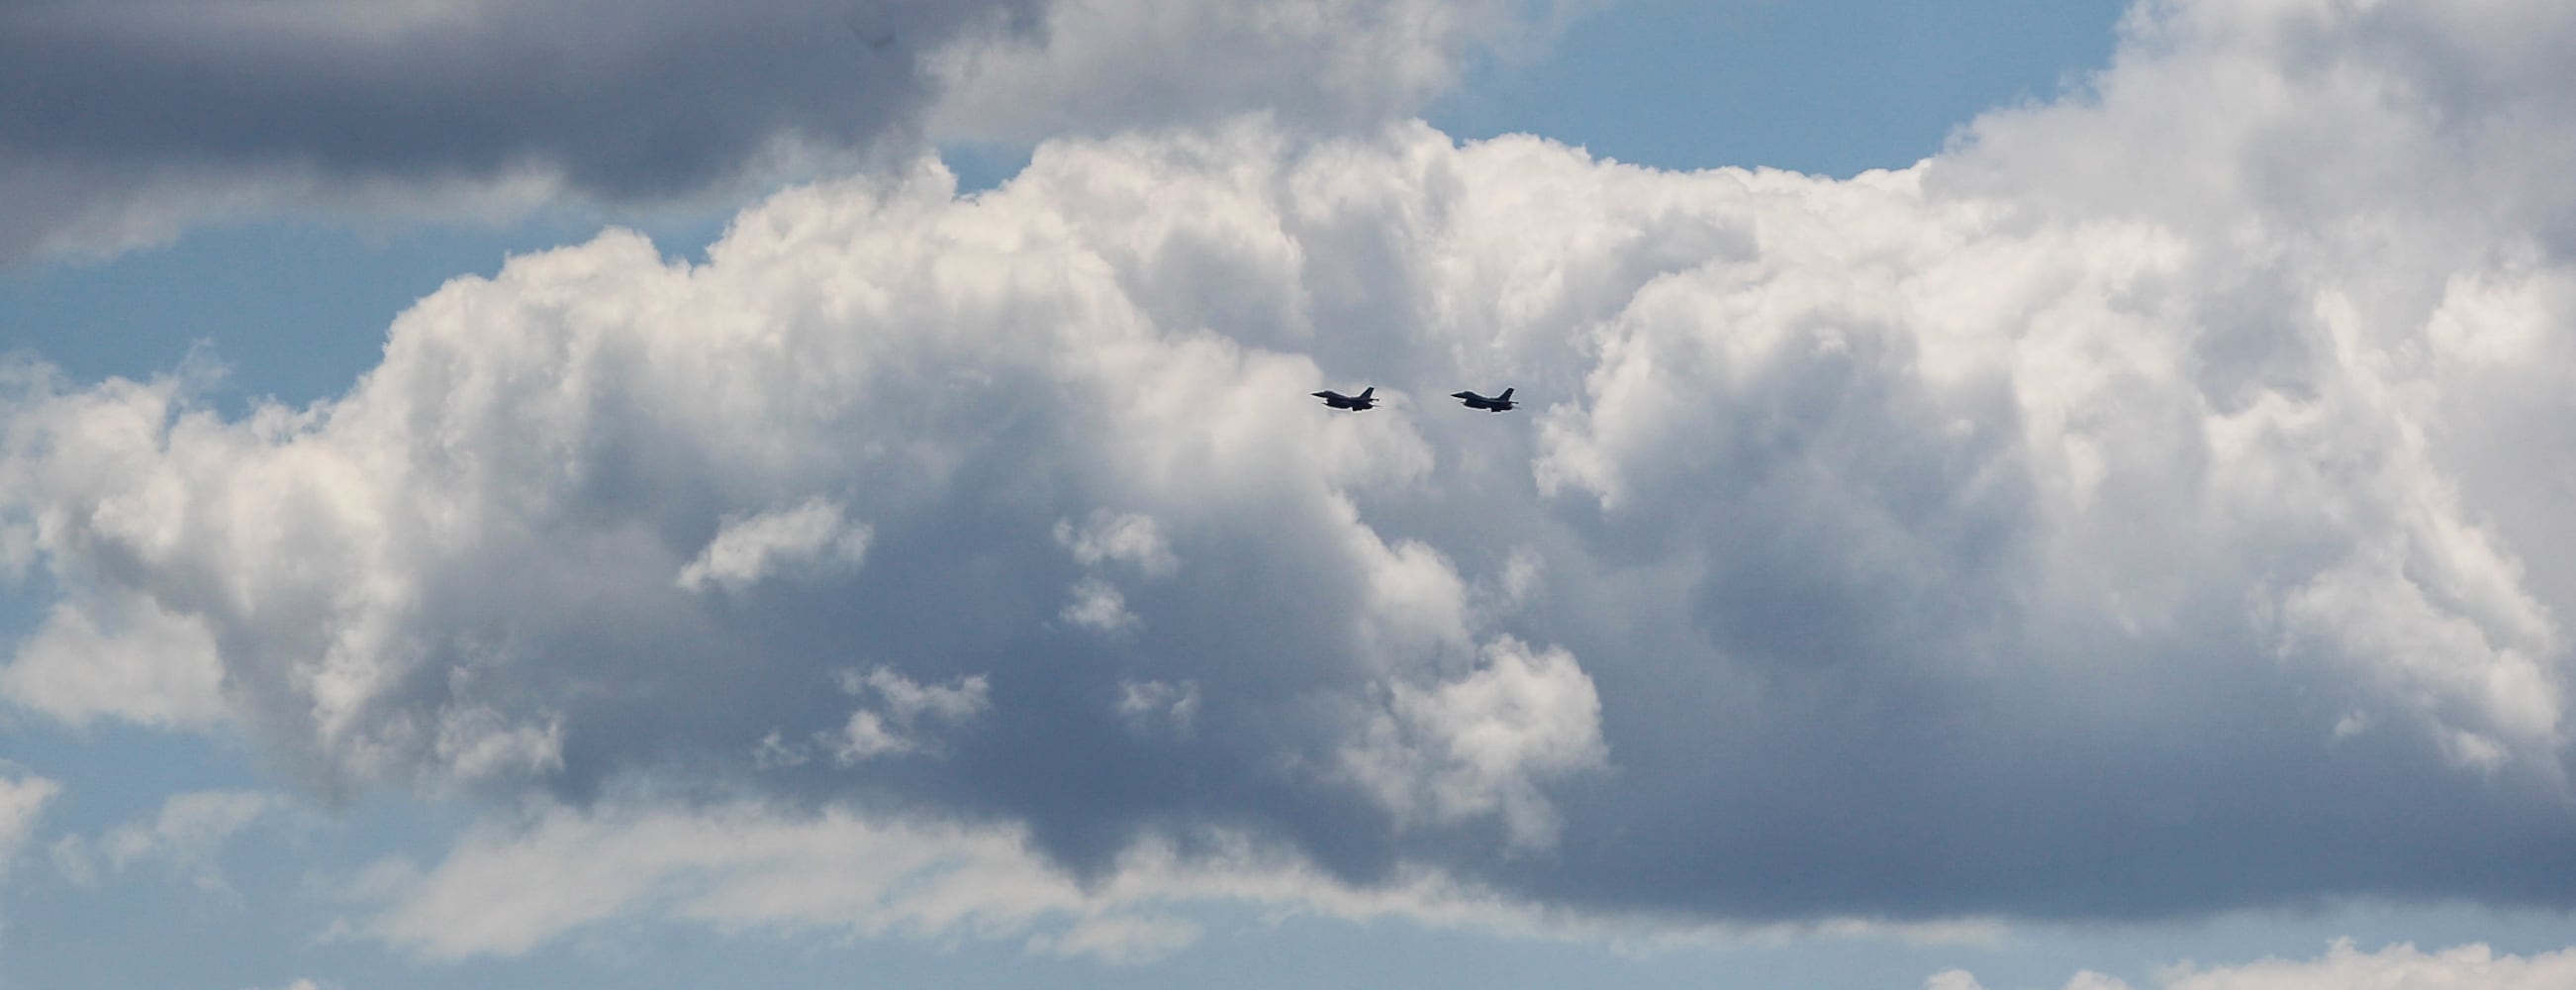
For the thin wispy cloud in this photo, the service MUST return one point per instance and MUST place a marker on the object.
(22, 800)
(2467, 967)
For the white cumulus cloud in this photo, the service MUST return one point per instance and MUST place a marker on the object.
(747, 549)
(2177, 459)
(1096, 604)
(1482, 743)
(155, 668)
(1127, 538)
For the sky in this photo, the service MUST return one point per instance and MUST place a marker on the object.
(586, 494)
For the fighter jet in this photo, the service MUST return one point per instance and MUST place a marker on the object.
(1499, 403)
(1355, 403)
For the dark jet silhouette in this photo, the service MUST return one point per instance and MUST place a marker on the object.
(1354, 403)
(1499, 403)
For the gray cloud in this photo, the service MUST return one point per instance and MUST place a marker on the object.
(130, 119)
(179, 108)
(627, 99)
(1986, 538)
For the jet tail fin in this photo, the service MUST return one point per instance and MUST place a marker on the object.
(1366, 392)
(1506, 396)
